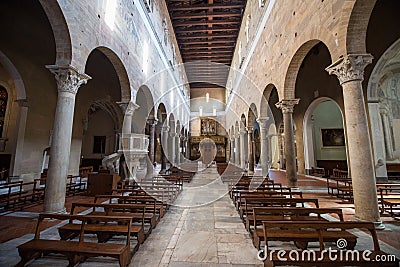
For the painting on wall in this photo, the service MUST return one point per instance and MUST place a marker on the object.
(333, 137)
(208, 126)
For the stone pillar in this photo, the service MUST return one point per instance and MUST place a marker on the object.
(237, 150)
(243, 133)
(350, 72)
(184, 148)
(164, 147)
(287, 106)
(172, 148)
(127, 108)
(232, 150)
(250, 144)
(68, 82)
(177, 149)
(152, 131)
(384, 110)
(264, 155)
(281, 142)
(19, 144)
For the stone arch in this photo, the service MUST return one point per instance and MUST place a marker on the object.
(178, 127)
(376, 75)
(171, 122)
(243, 121)
(111, 109)
(120, 70)
(264, 106)
(17, 79)
(308, 137)
(294, 66)
(60, 30)
(357, 26)
(145, 104)
(252, 115)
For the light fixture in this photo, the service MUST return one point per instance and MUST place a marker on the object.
(207, 97)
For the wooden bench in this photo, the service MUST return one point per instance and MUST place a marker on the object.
(389, 197)
(343, 187)
(255, 202)
(19, 194)
(318, 172)
(239, 200)
(134, 211)
(254, 221)
(152, 205)
(78, 251)
(320, 232)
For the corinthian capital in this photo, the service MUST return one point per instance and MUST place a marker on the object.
(350, 67)
(263, 122)
(128, 107)
(68, 78)
(287, 105)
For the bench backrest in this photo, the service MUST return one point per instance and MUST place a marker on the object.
(320, 227)
(85, 219)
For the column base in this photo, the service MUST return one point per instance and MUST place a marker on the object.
(294, 188)
(63, 211)
(378, 225)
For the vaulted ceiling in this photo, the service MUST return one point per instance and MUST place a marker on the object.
(206, 31)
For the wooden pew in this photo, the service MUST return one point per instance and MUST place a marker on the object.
(19, 194)
(254, 202)
(239, 200)
(152, 205)
(78, 251)
(254, 222)
(134, 211)
(343, 187)
(389, 197)
(320, 232)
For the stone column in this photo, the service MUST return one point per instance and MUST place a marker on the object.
(243, 133)
(152, 130)
(19, 144)
(237, 150)
(68, 82)
(184, 148)
(177, 149)
(164, 147)
(287, 106)
(384, 110)
(127, 108)
(172, 148)
(250, 143)
(264, 155)
(232, 150)
(350, 72)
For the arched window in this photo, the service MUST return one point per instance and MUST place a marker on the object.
(3, 107)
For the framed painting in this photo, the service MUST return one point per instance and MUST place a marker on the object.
(208, 126)
(333, 137)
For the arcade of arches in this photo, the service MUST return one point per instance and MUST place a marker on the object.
(291, 92)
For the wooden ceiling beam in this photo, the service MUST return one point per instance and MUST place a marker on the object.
(206, 22)
(208, 42)
(206, 46)
(205, 36)
(205, 15)
(204, 7)
(219, 29)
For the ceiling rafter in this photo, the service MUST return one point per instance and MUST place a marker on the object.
(206, 31)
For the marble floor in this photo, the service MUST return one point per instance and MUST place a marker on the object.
(202, 228)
